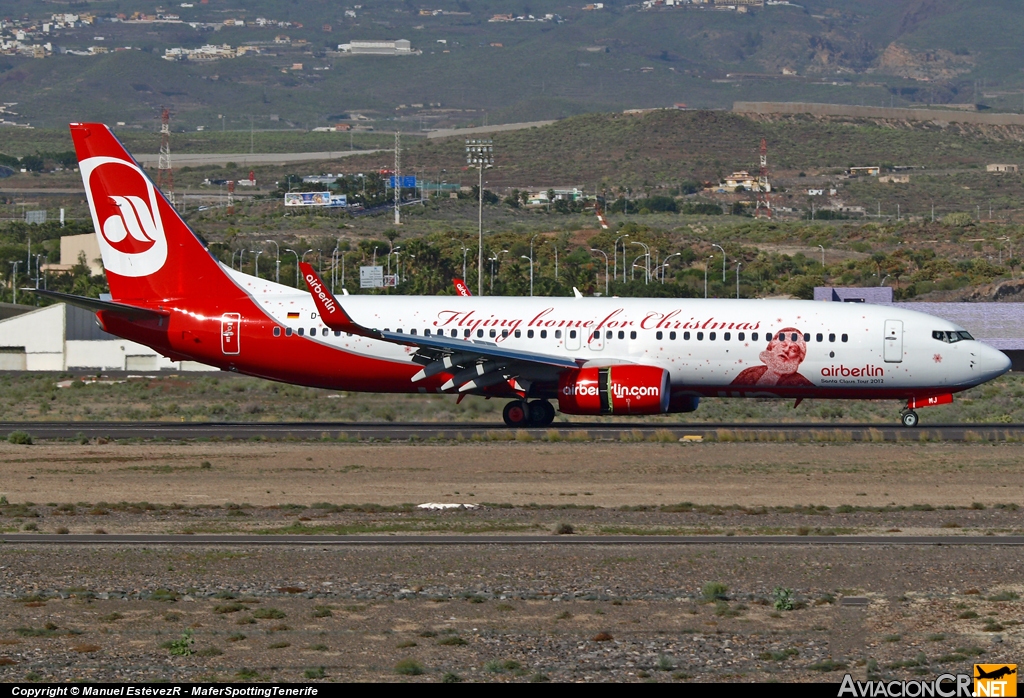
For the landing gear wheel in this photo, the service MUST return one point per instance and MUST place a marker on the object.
(541, 413)
(516, 414)
(909, 418)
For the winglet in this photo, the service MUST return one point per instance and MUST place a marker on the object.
(331, 312)
(461, 288)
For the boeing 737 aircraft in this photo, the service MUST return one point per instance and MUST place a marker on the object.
(592, 356)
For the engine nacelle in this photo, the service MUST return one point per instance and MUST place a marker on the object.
(620, 389)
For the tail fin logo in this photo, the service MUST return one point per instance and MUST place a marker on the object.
(126, 215)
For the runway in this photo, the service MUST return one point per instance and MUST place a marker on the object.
(424, 431)
(489, 540)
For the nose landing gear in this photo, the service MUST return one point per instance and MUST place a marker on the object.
(520, 413)
(909, 418)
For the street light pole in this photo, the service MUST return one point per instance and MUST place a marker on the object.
(296, 265)
(277, 274)
(531, 269)
(706, 275)
(480, 153)
(738, 265)
(664, 266)
(647, 262)
(615, 258)
(258, 253)
(723, 260)
(822, 248)
(594, 249)
(14, 282)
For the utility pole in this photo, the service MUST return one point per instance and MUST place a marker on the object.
(164, 174)
(398, 177)
(764, 204)
(480, 154)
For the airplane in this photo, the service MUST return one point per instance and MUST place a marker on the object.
(590, 356)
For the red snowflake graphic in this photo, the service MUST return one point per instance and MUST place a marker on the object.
(937, 358)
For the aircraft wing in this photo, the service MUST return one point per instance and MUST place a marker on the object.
(473, 364)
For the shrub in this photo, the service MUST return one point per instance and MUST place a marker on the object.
(564, 529)
(452, 641)
(783, 599)
(268, 613)
(322, 612)
(182, 647)
(409, 667)
(317, 673)
(712, 591)
(20, 437)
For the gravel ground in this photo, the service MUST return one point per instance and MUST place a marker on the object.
(504, 614)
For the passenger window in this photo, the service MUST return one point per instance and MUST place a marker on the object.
(529, 334)
(767, 336)
(753, 336)
(671, 335)
(711, 336)
(807, 337)
(622, 335)
(831, 336)
(845, 338)
(727, 336)
(700, 336)
(426, 332)
(277, 331)
(413, 331)
(504, 334)
(632, 335)
(543, 334)
(558, 334)
(572, 334)
(686, 336)
(466, 333)
(818, 337)
(658, 335)
(608, 334)
(519, 333)
(337, 333)
(492, 334)
(302, 331)
(793, 336)
(479, 333)
(287, 331)
(740, 336)
(597, 334)
(312, 332)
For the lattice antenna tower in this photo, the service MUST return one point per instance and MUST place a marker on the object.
(164, 173)
(398, 177)
(764, 202)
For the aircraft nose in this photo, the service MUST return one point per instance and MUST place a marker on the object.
(993, 362)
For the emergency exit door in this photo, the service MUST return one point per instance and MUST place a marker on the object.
(893, 350)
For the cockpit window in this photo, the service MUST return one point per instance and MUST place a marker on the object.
(950, 336)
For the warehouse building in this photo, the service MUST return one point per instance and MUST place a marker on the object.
(63, 337)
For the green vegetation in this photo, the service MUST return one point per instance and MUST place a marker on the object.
(409, 667)
(182, 647)
(714, 591)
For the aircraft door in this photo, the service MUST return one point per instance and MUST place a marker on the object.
(230, 327)
(893, 351)
(573, 339)
(595, 340)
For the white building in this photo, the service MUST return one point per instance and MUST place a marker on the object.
(400, 47)
(63, 337)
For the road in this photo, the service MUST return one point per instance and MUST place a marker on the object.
(569, 540)
(250, 159)
(446, 431)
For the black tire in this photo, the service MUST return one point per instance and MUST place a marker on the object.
(542, 414)
(516, 414)
(909, 419)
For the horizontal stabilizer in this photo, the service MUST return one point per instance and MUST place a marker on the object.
(95, 305)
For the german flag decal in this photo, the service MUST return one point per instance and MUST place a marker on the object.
(293, 316)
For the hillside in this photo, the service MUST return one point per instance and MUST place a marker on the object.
(623, 56)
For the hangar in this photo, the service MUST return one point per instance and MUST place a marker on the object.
(62, 337)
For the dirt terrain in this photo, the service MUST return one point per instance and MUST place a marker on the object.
(603, 474)
(572, 612)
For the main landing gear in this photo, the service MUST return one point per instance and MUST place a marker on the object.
(520, 413)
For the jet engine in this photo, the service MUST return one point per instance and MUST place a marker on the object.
(619, 389)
